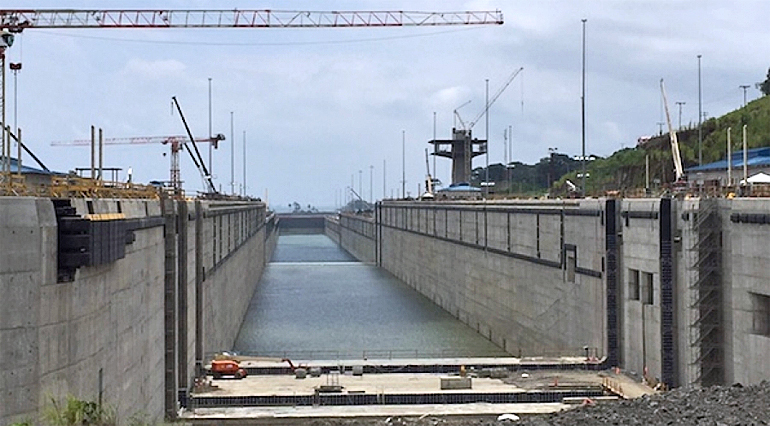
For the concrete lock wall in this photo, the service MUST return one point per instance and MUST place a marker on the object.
(528, 276)
(357, 236)
(124, 321)
(687, 278)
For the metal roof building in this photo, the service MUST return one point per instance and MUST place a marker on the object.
(757, 160)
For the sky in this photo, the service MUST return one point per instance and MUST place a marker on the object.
(326, 108)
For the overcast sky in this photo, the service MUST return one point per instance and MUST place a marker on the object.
(318, 105)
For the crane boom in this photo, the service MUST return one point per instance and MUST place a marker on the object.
(136, 140)
(495, 96)
(672, 134)
(18, 20)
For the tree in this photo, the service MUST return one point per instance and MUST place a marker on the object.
(764, 86)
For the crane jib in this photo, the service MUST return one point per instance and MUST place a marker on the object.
(18, 20)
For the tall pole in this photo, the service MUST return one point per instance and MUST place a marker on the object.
(700, 118)
(486, 116)
(15, 67)
(232, 155)
(680, 114)
(371, 185)
(434, 145)
(360, 185)
(745, 158)
(5, 171)
(384, 186)
(101, 153)
(244, 163)
(211, 145)
(93, 152)
(403, 164)
(743, 86)
(729, 158)
(510, 158)
(583, 109)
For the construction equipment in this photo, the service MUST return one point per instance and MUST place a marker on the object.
(678, 169)
(176, 144)
(462, 148)
(15, 21)
(226, 367)
(428, 195)
(491, 101)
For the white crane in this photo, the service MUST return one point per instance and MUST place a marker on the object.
(672, 134)
(491, 101)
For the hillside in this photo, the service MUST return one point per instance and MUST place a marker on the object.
(625, 169)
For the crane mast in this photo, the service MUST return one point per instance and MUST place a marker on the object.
(678, 170)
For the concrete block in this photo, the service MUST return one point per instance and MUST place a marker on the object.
(455, 383)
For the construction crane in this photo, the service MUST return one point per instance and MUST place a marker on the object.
(491, 101)
(678, 170)
(13, 21)
(175, 143)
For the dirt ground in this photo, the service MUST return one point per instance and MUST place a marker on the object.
(715, 406)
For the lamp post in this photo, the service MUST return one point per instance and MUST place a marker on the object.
(486, 155)
(211, 145)
(371, 185)
(583, 107)
(700, 120)
(744, 87)
(680, 113)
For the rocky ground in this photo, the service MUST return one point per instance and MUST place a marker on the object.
(715, 406)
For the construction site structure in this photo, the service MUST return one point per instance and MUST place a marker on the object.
(14, 21)
(175, 143)
(462, 148)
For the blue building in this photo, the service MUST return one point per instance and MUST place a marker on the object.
(757, 161)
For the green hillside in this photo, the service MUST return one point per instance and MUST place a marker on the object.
(625, 169)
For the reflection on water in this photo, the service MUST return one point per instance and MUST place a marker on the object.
(315, 300)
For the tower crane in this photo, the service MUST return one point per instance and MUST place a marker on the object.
(175, 143)
(14, 21)
(491, 101)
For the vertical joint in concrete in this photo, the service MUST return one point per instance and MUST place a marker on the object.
(169, 307)
(667, 278)
(182, 222)
(612, 274)
(199, 271)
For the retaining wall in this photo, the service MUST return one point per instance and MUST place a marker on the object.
(116, 327)
(675, 290)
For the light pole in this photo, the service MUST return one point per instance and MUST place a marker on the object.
(700, 121)
(371, 185)
(680, 113)
(583, 108)
(384, 185)
(486, 156)
(15, 67)
(743, 86)
(211, 145)
(403, 164)
(232, 155)
(360, 184)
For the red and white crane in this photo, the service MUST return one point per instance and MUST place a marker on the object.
(13, 21)
(176, 143)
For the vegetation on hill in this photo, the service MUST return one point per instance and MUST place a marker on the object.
(624, 170)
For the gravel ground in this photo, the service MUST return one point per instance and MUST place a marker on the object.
(715, 406)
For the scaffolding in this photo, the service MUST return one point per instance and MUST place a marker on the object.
(706, 366)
